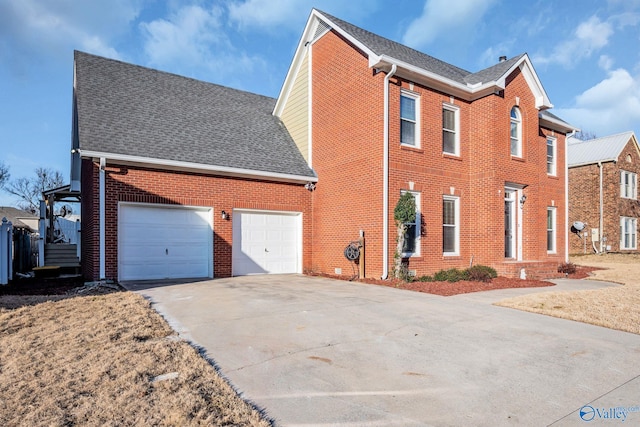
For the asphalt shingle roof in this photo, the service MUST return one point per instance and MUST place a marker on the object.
(383, 46)
(132, 110)
(14, 214)
(592, 151)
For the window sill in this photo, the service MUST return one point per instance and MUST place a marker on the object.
(411, 148)
(451, 156)
(517, 159)
(413, 257)
(552, 176)
(451, 256)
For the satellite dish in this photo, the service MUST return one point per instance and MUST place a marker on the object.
(577, 227)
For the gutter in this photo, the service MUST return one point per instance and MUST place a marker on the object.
(385, 178)
(601, 233)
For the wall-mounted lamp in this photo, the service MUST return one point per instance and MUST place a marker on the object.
(224, 215)
(310, 186)
(523, 199)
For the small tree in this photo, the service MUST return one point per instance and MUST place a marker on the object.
(29, 190)
(404, 212)
(4, 174)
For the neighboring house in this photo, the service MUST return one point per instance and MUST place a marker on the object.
(24, 238)
(603, 193)
(20, 219)
(483, 157)
(161, 159)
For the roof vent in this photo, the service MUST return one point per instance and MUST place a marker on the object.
(502, 59)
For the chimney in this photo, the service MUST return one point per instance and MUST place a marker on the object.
(502, 59)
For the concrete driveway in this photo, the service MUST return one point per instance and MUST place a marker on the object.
(315, 352)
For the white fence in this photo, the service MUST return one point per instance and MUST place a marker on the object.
(6, 256)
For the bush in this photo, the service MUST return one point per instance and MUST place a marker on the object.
(450, 275)
(481, 273)
(567, 268)
(425, 279)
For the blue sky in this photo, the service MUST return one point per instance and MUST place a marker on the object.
(586, 53)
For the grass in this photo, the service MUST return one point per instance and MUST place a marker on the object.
(615, 307)
(106, 360)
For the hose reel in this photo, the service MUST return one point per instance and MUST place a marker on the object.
(352, 251)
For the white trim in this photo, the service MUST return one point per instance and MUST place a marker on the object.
(310, 108)
(208, 209)
(457, 225)
(300, 229)
(418, 235)
(623, 225)
(456, 111)
(554, 171)
(102, 220)
(196, 167)
(554, 229)
(416, 99)
(385, 176)
(519, 121)
(566, 200)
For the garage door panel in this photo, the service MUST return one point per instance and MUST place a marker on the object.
(266, 242)
(158, 242)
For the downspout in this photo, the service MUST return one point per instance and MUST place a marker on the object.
(385, 178)
(566, 198)
(601, 233)
(103, 164)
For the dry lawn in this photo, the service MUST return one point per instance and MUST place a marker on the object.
(107, 360)
(615, 307)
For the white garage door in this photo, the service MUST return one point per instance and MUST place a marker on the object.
(266, 242)
(161, 242)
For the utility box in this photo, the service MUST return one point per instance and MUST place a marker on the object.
(595, 235)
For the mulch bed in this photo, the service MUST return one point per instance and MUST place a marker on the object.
(465, 286)
(42, 286)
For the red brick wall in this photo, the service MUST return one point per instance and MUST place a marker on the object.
(584, 196)
(131, 184)
(347, 155)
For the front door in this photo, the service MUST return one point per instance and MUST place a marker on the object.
(509, 224)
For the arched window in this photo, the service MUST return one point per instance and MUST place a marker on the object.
(516, 132)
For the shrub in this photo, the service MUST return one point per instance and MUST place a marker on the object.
(481, 273)
(425, 279)
(450, 275)
(567, 268)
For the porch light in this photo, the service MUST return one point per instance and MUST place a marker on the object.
(225, 215)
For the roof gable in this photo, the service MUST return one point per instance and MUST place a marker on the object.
(605, 149)
(382, 53)
(134, 113)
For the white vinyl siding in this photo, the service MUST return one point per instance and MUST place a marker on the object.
(296, 113)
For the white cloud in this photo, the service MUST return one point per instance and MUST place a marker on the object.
(442, 18)
(275, 15)
(605, 62)
(589, 37)
(53, 27)
(611, 106)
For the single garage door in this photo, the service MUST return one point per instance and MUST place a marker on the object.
(266, 243)
(164, 242)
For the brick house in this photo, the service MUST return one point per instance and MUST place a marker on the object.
(172, 171)
(603, 194)
(161, 159)
(482, 156)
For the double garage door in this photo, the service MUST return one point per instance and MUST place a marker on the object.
(162, 242)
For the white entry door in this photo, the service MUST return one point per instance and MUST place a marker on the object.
(266, 243)
(164, 242)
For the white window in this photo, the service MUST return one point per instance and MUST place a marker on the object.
(551, 230)
(551, 155)
(516, 132)
(409, 119)
(628, 189)
(450, 130)
(628, 233)
(411, 245)
(451, 225)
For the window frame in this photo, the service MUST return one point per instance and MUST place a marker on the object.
(552, 167)
(624, 222)
(632, 187)
(455, 226)
(416, 122)
(455, 131)
(552, 233)
(518, 138)
(418, 234)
